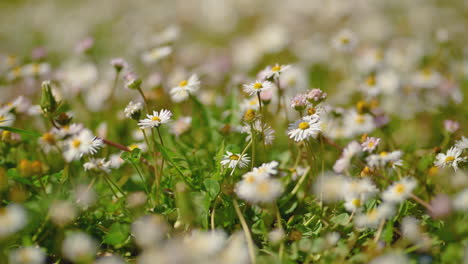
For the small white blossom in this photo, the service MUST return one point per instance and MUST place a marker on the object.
(304, 128)
(185, 88)
(232, 160)
(451, 159)
(257, 87)
(156, 119)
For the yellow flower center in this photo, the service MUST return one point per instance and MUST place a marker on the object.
(370, 144)
(276, 68)
(234, 157)
(399, 188)
(383, 154)
(250, 179)
(344, 40)
(372, 214)
(35, 68)
(132, 146)
(257, 86)
(183, 83)
(360, 119)
(263, 187)
(303, 125)
(156, 118)
(371, 81)
(356, 202)
(76, 143)
(449, 158)
(49, 138)
(2, 117)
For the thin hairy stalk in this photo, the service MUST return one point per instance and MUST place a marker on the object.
(248, 236)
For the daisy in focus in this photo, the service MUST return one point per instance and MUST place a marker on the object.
(156, 119)
(81, 144)
(305, 128)
(450, 159)
(232, 160)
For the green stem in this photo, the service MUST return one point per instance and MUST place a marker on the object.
(248, 236)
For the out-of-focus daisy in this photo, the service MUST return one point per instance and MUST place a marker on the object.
(139, 145)
(156, 119)
(373, 217)
(391, 258)
(47, 141)
(462, 143)
(299, 102)
(384, 158)
(251, 103)
(450, 159)
(119, 64)
(132, 81)
(353, 203)
(12, 219)
(156, 54)
(68, 130)
(109, 260)
(185, 88)
(345, 41)
(316, 95)
(7, 119)
(36, 69)
(62, 213)
(257, 87)
(133, 110)
(79, 247)
(357, 123)
(27, 255)
(427, 78)
(260, 191)
(264, 132)
(148, 230)
(349, 152)
(399, 191)
(451, 126)
(370, 144)
(84, 196)
(181, 125)
(275, 71)
(82, 143)
(460, 201)
(231, 160)
(304, 128)
(267, 169)
(100, 164)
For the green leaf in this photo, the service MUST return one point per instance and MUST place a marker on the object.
(21, 131)
(340, 219)
(118, 234)
(387, 233)
(212, 187)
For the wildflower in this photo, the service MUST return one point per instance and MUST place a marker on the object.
(12, 219)
(251, 103)
(67, 130)
(399, 191)
(181, 125)
(358, 123)
(349, 152)
(79, 247)
(370, 143)
(267, 169)
(276, 236)
(7, 119)
(119, 64)
(156, 119)
(27, 255)
(136, 199)
(391, 258)
(148, 230)
(385, 158)
(232, 160)
(441, 206)
(316, 95)
(258, 128)
(132, 81)
(452, 158)
(98, 165)
(304, 128)
(264, 190)
(82, 143)
(345, 41)
(329, 187)
(133, 110)
(84, 196)
(36, 69)
(156, 54)
(62, 213)
(451, 126)
(299, 102)
(462, 143)
(353, 203)
(460, 201)
(275, 71)
(257, 87)
(185, 88)
(362, 188)
(109, 260)
(373, 217)
(426, 79)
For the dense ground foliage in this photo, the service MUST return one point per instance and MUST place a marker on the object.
(233, 132)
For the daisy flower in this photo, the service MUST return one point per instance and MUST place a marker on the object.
(133, 110)
(299, 102)
(156, 119)
(79, 247)
(27, 255)
(399, 191)
(47, 141)
(451, 126)
(268, 169)
(304, 128)
(13, 218)
(264, 190)
(251, 103)
(373, 217)
(349, 152)
(353, 203)
(6, 119)
(83, 143)
(275, 71)
(132, 81)
(316, 95)
(460, 201)
(344, 41)
(98, 165)
(462, 143)
(232, 160)
(156, 54)
(451, 159)
(67, 131)
(370, 144)
(257, 87)
(185, 88)
(119, 64)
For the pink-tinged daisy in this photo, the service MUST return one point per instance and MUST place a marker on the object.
(276, 70)
(370, 144)
(257, 87)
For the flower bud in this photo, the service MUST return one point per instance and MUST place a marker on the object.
(249, 115)
(48, 102)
